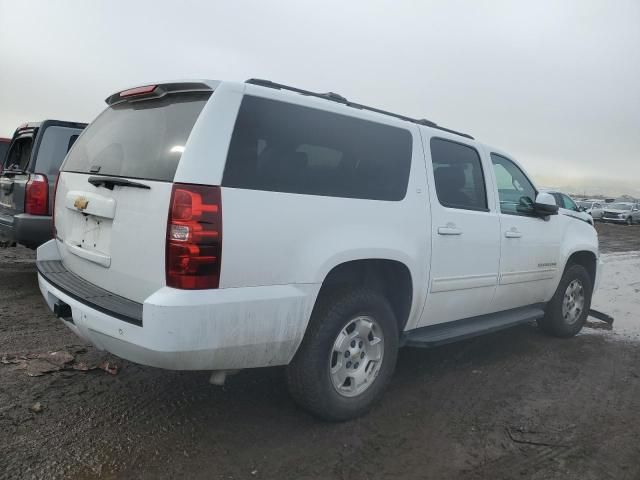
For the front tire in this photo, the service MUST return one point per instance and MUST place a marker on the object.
(347, 357)
(568, 310)
(629, 221)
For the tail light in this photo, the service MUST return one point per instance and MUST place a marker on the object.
(54, 231)
(194, 237)
(36, 201)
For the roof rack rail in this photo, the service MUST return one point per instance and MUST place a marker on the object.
(334, 97)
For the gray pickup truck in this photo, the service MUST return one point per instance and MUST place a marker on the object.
(28, 174)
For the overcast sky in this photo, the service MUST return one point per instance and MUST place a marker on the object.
(555, 83)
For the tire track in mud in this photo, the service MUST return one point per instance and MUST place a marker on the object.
(580, 428)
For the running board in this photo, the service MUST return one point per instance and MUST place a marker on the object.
(439, 334)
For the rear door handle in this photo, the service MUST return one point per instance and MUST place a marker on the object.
(450, 229)
(512, 234)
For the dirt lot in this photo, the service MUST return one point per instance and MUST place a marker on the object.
(618, 238)
(515, 404)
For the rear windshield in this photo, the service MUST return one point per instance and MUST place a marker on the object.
(141, 139)
(53, 148)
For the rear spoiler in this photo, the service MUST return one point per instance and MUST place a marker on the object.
(155, 91)
(31, 127)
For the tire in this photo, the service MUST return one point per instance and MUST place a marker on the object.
(309, 375)
(629, 221)
(567, 322)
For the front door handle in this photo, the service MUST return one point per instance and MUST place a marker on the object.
(450, 229)
(512, 233)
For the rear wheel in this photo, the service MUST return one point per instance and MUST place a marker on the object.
(347, 356)
(567, 311)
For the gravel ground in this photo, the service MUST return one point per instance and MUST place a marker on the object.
(514, 404)
(618, 238)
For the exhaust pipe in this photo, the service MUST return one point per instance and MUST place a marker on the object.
(603, 317)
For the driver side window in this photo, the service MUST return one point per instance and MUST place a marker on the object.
(517, 194)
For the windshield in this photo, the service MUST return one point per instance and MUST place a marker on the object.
(584, 204)
(619, 206)
(143, 139)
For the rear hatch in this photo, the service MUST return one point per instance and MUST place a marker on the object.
(115, 186)
(15, 175)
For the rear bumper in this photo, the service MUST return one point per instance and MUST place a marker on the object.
(28, 230)
(195, 330)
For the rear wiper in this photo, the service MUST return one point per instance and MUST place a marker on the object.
(110, 182)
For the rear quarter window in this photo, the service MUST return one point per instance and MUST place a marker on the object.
(282, 147)
(142, 139)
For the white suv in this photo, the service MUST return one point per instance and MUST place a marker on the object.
(221, 225)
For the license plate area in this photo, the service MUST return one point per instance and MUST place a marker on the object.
(90, 233)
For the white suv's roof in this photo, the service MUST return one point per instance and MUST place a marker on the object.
(285, 91)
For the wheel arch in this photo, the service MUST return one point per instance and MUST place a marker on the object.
(586, 258)
(390, 277)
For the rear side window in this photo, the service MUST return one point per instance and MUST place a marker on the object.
(19, 154)
(53, 148)
(282, 147)
(142, 139)
(457, 170)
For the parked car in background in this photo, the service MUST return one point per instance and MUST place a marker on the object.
(28, 177)
(595, 208)
(224, 225)
(569, 207)
(622, 212)
(4, 146)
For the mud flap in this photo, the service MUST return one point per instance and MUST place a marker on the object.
(601, 316)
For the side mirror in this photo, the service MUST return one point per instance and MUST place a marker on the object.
(545, 204)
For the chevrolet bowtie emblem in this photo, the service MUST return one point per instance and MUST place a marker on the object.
(81, 203)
